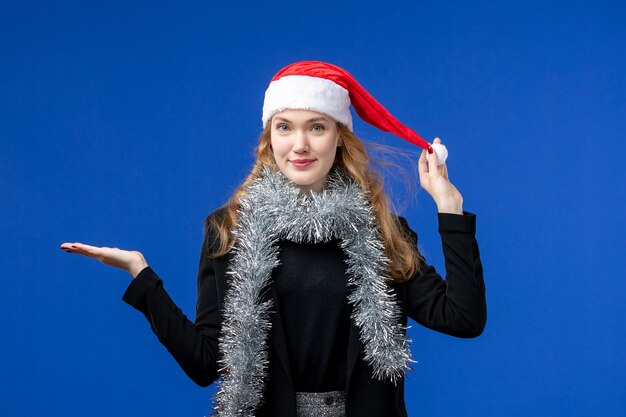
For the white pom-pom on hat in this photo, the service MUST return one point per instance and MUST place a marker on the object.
(441, 151)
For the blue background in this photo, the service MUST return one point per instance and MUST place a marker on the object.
(126, 124)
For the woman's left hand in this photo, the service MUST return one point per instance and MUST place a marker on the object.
(434, 179)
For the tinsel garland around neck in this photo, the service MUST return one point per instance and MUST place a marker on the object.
(273, 209)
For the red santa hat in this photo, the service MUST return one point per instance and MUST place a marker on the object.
(329, 89)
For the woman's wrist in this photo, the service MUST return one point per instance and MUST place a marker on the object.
(450, 210)
(135, 269)
(454, 206)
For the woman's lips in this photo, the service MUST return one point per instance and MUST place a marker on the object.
(302, 163)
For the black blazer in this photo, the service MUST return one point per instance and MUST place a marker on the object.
(455, 306)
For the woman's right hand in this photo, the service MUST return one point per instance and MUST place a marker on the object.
(131, 261)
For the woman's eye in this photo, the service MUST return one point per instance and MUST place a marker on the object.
(318, 128)
(280, 128)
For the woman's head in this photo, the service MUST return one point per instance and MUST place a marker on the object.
(297, 134)
(304, 145)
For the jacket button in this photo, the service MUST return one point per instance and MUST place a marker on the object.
(329, 400)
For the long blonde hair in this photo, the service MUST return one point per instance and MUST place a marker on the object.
(405, 259)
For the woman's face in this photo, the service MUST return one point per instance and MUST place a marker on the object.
(304, 143)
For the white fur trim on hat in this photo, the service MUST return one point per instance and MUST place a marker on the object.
(310, 93)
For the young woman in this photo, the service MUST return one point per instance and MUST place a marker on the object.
(306, 278)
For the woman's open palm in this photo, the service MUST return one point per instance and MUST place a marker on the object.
(131, 261)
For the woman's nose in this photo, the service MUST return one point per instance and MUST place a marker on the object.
(301, 142)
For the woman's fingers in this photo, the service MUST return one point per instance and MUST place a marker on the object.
(422, 167)
(434, 179)
(72, 247)
(422, 163)
(429, 169)
(110, 256)
(103, 254)
(81, 249)
(433, 168)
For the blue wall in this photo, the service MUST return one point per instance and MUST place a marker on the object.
(125, 125)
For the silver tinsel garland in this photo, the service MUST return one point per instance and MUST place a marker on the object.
(274, 209)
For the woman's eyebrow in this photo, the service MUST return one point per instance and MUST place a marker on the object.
(315, 119)
(318, 119)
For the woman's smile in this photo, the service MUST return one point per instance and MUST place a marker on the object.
(301, 163)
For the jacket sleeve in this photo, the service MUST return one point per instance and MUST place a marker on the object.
(457, 305)
(193, 345)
